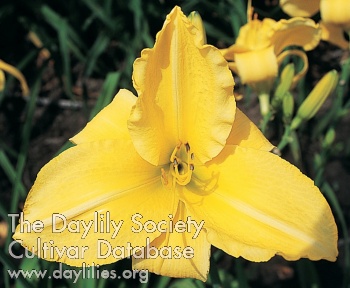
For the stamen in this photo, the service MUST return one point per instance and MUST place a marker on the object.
(176, 149)
(180, 171)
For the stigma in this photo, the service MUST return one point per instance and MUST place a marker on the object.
(180, 171)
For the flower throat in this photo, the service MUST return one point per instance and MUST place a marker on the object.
(180, 172)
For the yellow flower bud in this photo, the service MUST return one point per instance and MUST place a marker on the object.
(329, 138)
(316, 98)
(197, 22)
(284, 85)
(288, 107)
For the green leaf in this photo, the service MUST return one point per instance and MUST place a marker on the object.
(162, 282)
(108, 91)
(285, 82)
(95, 52)
(307, 274)
(8, 265)
(29, 264)
(332, 198)
(11, 173)
(100, 14)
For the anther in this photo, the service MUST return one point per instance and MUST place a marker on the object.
(180, 171)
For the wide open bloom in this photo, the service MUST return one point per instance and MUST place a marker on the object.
(335, 16)
(258, 50)
(177, 157)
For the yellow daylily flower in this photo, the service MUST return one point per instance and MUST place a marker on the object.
(181, 168)
(336, 12)
(257, 53)
(300, 8)
(335, 16)
(14, 72)
(334, 34)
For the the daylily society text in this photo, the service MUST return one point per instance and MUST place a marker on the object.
(104, 225)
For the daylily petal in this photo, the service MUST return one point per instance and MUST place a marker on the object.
(237, 248)
(336, 12)
(334, 34)
(111, 122)
(233, 67)
(302, 8)
(185, 95)
(263, 202)
(230, 52)
(295, 31)
(244, 133)
(196, 266)
(264, 62)
(255, 35)
(96, 176)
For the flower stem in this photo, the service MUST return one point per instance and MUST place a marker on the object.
(285, 138)
(295, 148)
(266, 121)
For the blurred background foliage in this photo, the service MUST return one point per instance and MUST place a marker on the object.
(77, 54)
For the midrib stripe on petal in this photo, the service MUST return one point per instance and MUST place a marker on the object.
(175, 80)
(93, 203)
(270, 221)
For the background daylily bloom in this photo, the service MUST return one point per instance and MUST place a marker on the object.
(336, 12)
(181, 149)
(300, 7)
(257, 53)
(335, 16)
(196, 20)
